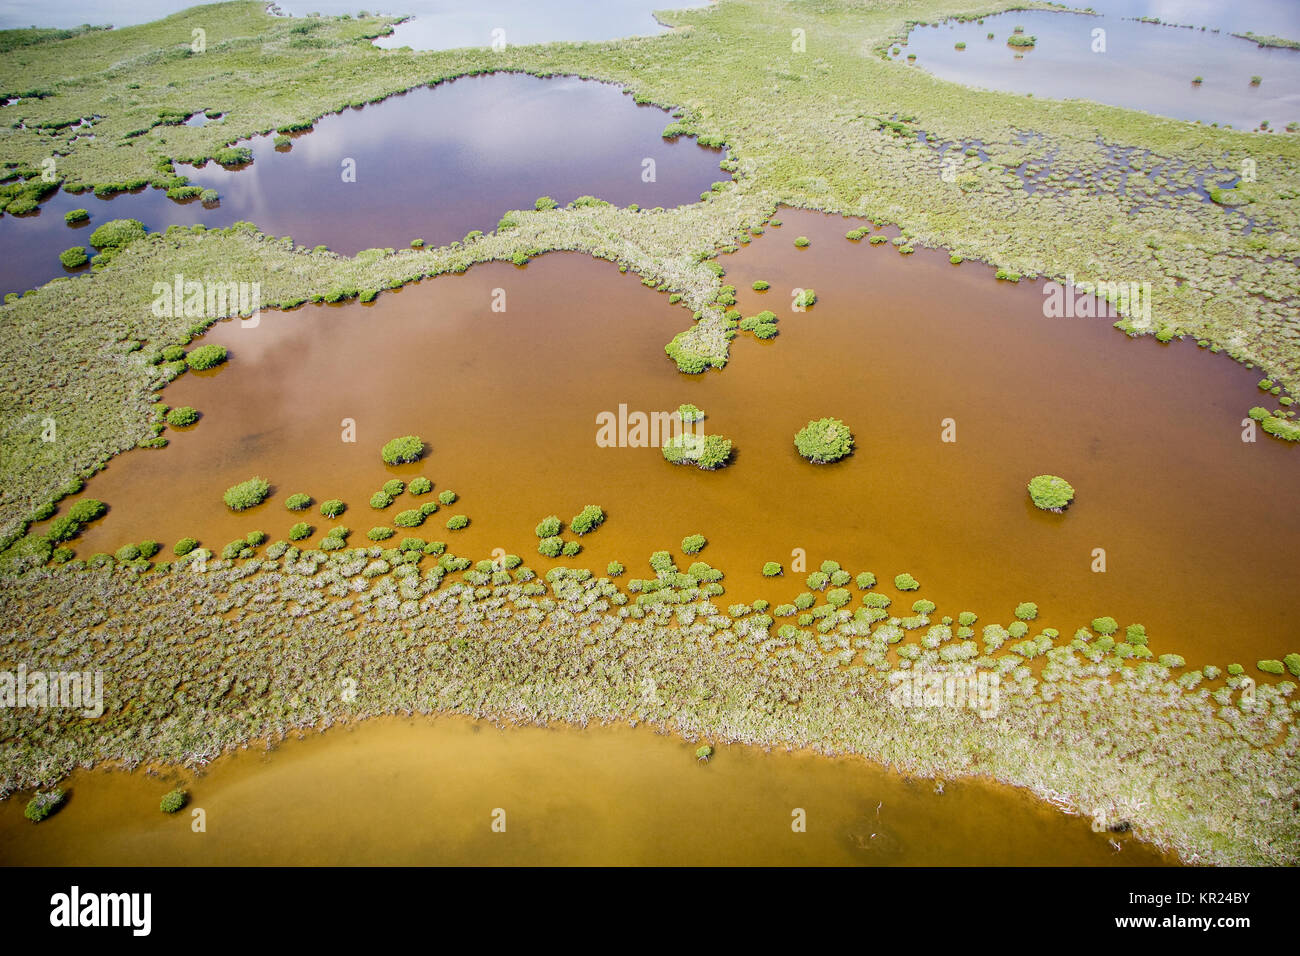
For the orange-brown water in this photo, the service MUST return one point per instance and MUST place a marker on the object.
(420, 792)
(1201, 543)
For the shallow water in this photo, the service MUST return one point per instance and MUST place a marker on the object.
(432, 163)
(1265, 17)
(1192, 520)
(1144, 66)
(418, 792)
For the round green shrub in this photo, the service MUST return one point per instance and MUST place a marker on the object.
(772, 569)
(394, 487)
(588, 519)
(43, 804)
(707, 452)
(298, 502)
(401, 450)
(75, 215)
(380, 534)
(184, 546)
(73, 257)
(923, 606)
(380, 500)
(1050, 492)
(411, 518)
(128, 552)
(117, 233)
(693, 543)
(299, 531)
(447, 497)
(761, 285)
(456, 522)
(1105, 625)
(803, 242)
(247, 494)
(905, 582)
(182, 416)
(550, 546)
(173, 802)
(966, 618)
(332, 508)
(571, 548)
(1270, 667)
(1027, 611)
(205, 357)
(549, 527)
(614, 569)
(149, 548)
(428, 508)
(824, 440)
(420, 486)
(87, 510)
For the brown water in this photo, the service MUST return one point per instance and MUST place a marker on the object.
(419, 792)
(1200, 544)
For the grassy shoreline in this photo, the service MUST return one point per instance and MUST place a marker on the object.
(1210, 774)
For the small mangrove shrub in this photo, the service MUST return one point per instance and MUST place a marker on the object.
(205, 357)
(824, 440)
(182, 416)
(43, 804)
(1050, 493)
(247, 494)
(588, 519)
(401, 450)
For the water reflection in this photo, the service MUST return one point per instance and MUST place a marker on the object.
(1142, 66)
(434, 164)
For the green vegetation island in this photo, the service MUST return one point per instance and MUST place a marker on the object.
(1202, 760)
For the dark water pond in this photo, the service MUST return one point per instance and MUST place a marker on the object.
(1143, 66)
(433, 163)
